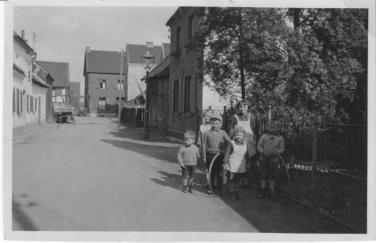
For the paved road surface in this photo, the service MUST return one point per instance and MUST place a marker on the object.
(93, 176)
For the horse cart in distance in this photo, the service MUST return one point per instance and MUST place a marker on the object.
(63, 112)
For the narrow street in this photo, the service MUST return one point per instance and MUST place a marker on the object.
(93, 176)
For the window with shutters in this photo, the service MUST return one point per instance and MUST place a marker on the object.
(18, 101)
(176, 97)
(14, 100)
(21, 101)
(27, 104)
(187, 94)
(31, 104)
(177, 43)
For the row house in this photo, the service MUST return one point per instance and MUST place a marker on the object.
(188, 92)
(59, 71)
(31, 86)
(104, 82)
(43, 87)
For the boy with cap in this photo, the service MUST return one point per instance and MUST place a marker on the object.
(214, 142)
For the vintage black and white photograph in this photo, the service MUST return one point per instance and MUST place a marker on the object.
(216, 119)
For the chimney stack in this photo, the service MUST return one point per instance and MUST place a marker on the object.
(87, 49)
(149, 44)
(23, 34)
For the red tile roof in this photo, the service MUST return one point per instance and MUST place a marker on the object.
(97, 61)
(59, 71)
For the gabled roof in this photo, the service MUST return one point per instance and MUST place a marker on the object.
(161, 69)
(41, 73)
(22, 42)
(97, 61)
(59, 71)
(135, 52)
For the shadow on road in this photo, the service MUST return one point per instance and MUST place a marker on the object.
(280, 216)
(138, 134)
(175, 181)
(158, 152)
(21, 218)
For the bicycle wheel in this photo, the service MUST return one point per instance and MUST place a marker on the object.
(215, 173)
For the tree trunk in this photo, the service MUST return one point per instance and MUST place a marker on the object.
(296, 18)
(241, 57)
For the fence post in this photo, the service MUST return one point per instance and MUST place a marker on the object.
(314, 140)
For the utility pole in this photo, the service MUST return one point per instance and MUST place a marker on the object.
(121, 78)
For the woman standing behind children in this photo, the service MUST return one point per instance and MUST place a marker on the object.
(188, 155)
(237, 153)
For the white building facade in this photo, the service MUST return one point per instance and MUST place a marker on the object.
(29, 97)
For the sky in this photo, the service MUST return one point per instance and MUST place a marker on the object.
(63, 33)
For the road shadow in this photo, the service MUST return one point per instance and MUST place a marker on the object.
(138, 134)
(18, 215)
(165, 153)
(267, 216)
(174, 181)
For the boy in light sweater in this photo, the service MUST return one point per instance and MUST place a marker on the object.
(188, 155)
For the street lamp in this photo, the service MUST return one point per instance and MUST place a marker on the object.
(148, 62)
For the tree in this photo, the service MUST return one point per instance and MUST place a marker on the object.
(238, 41)
(306, 63)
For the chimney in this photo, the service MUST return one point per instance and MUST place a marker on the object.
(23, 34)
(87, 49)
(149, 44)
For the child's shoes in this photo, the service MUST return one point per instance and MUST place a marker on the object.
(185, 189)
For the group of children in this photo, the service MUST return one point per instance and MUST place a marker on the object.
(238, 147)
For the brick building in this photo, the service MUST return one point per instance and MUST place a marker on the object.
(74, 94)
(104, 86)
(188, 94)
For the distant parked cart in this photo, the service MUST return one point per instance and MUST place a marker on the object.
(63, 112)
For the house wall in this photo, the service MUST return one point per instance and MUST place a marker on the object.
(39, 114)
(49, 108)
(110, 93)
(189, 62)
(135, 72)
(182, 66)
(23, 85)
(159, 102)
